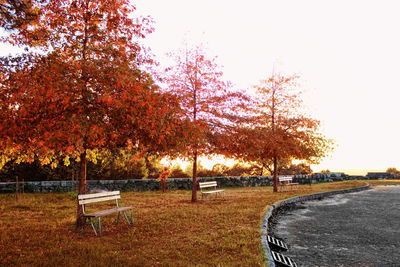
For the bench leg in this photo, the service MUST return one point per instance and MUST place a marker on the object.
(117, 218)
(99, 226)
(94, 228)
(127, 218)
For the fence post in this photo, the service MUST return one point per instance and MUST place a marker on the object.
(16, 188)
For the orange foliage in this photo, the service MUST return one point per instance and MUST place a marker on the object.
(85, 89)
(277, 130)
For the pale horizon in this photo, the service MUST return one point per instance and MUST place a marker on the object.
(345, 51)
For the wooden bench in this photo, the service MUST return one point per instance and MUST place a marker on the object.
(286, 182)
(85, 199)
(209, 188)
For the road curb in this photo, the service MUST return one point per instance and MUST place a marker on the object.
(268, 214)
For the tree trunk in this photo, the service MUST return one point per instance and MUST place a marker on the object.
(164, 184)
(80, 220)
(275, 175)
(194, 188)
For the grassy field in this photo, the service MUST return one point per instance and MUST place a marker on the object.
(169, 230)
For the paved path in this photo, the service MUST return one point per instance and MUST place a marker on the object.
(358, 229)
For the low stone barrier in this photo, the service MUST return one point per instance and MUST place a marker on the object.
(134, 184)
(173, 183)
(269, 212)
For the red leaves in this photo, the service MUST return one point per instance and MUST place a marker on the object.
(88, 91)
(277, 130)
(205, 98)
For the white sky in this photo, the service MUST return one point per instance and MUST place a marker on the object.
(347, 52)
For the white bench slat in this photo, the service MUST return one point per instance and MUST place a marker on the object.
(98, 199)
(214, 191)
(107, 212)
(207, 184)
(210, 182)
(285, 179)
(102, 194)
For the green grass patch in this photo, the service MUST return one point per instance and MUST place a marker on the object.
(169, 230)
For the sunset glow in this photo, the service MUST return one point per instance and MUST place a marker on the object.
(345, 51)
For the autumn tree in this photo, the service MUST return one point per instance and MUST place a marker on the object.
(81, 87)
(16, 14)
(278, 131)
(393, 171)
(196, 79)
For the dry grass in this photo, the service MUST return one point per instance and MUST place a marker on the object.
(169, 230)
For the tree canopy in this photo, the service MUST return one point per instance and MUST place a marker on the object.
(18, 14)
(206, 100)
(276, 130)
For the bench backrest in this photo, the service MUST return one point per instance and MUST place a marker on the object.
(205, 185)
(98, 197)
(285, 178)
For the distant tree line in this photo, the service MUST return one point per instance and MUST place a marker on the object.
(119, 166)
(115, 165)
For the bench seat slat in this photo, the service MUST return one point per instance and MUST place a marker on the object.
(99, 199)
(97, 195)
(208, 187)
(107, 212)
(207, 184)
(214, 191)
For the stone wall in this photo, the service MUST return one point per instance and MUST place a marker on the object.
(173, 183)
(134, 185)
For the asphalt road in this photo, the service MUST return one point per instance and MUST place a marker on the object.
(357, 229)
